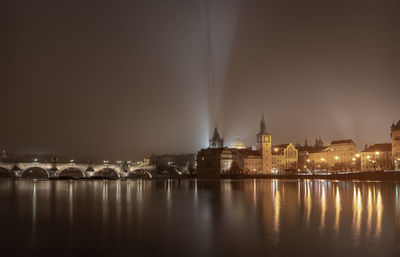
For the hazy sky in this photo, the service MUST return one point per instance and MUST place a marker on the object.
(124, 79)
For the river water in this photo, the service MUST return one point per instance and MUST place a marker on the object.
(199, 218)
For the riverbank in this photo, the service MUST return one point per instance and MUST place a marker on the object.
(361, 176)
(364, 176)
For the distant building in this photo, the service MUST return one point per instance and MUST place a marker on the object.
(249, 161)
(395, 135)
(214, 161)
(305, 150)
(184, 163)
(264, 144)
(339, 155)
(218, 160)
(284, 157)
(377, 157)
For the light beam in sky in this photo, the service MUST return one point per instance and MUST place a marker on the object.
(220, 18)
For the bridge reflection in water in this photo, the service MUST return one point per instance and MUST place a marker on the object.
(201, 217)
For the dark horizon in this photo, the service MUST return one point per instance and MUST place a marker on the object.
(105, 80)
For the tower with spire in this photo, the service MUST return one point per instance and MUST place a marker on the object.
(264, 144)
(395, 135)
(216, 141)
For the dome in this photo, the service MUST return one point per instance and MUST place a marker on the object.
(237, 144)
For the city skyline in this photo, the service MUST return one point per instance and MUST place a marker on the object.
(123, 81)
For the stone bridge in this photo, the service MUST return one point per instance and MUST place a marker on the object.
(74, 170)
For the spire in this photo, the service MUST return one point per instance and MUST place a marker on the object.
(216, 141)
(216, 134)
(263, 127)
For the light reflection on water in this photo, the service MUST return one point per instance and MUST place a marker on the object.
(201, 217)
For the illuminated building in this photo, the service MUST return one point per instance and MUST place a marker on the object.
(218, 160)
(284, 157)
(395, 135)
(249, 161)
(338, 156)
(264, 144)
(305, 150)
(377, 157)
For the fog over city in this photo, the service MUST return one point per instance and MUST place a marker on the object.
(101, 79)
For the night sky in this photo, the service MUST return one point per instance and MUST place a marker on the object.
(124, 79)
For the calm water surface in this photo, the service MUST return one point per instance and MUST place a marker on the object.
(199, 218)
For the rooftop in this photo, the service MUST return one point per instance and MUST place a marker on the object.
(279, 149)
(346, 141)
(385, 147)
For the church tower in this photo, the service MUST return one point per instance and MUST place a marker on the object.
(216, 141)
(395, 134)
(264, 144)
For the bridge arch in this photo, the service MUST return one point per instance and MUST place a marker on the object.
(5, 173)
(35, 172)
(106, 173)
(140, 173)
(71, 172)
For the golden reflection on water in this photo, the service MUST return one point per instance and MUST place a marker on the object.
(379, 210)
(369, 210)
(337, 212)
(277, 208)
(307, 202)
(323, 208)
(358, 217)
(254, 193)
(348, 204)
(350, 213)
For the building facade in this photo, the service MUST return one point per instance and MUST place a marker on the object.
(339, 156)
(264, 144)
(377, 157)
(218, 160)
(284, 158)
(395, 135)
(214, 161)
(304, 152)
(249, 161)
